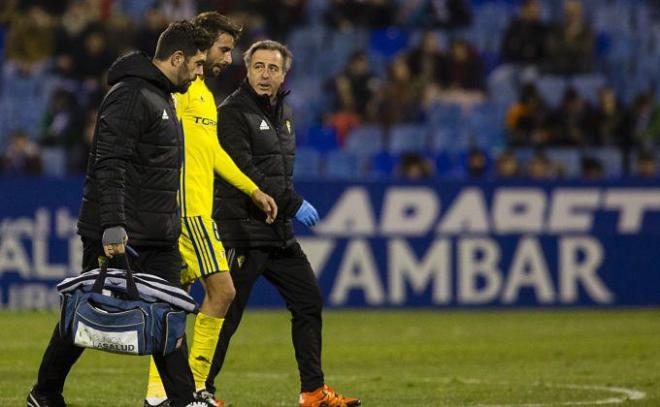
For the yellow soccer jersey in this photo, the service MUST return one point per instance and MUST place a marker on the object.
(203, 154)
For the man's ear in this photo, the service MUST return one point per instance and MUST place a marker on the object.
(177, 59)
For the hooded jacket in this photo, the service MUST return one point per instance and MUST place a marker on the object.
(134, 163)
(261, 140)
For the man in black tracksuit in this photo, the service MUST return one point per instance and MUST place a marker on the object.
(130, 193)
(256, 130)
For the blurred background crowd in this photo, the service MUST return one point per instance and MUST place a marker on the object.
(409, 89)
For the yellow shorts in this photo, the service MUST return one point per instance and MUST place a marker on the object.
(201, 249)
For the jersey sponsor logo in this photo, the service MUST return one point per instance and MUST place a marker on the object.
(263, 125)
(204, 121)
(165, 116)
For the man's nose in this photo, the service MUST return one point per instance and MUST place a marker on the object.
(228, 58)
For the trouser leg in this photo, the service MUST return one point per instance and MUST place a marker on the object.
(290, 272)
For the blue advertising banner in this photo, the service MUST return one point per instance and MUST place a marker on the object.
(441, 244)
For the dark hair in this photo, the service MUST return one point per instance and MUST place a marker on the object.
(215, 24)
(287, 56)
(182, 36)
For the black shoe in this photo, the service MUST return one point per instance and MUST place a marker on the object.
(35, 399)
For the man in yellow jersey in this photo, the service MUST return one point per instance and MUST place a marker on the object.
(203, 254)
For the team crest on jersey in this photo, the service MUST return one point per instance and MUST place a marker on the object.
(240, 260)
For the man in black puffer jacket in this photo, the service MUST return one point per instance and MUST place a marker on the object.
(131, 190)
(256, 130)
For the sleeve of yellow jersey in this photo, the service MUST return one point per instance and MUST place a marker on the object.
(229, 171)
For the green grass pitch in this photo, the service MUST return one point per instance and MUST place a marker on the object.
(402, 358)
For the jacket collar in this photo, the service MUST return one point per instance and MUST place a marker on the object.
(263, 101)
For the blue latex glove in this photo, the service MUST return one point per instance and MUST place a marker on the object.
(307, 214)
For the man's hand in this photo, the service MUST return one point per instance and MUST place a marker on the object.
(266, 203)
(307, 214)
(114, 241)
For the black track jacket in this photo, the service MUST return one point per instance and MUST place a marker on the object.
(261, 140)
(134, 163)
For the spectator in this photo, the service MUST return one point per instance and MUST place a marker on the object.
(154, 23)
(399, 99)
(354, 89)
(526, 116)
(571, 120)
(283, 16)
(77, 17)
(540, 167)
(349, 14)
(426, 61)
(31, 38)
(525, 37)
(571, 43)
(639, 120)
(464, 68)
(506, 165)
(646, 165)
(93, 58)
(443, 14)
(414, 167)
(477, 163)
(591, 169)
(175, 10)
(21, 157)
(79, 152)
(61, 126)
(8, 11)
(609, 124)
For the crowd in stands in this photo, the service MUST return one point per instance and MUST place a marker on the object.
(410, 89)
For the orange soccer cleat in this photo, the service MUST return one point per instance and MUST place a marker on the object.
(326, 397)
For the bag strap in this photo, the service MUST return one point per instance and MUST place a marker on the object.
(99, 283)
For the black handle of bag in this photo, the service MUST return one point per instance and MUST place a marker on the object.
(131, 288)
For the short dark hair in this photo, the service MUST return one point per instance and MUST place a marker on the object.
(287, 56)
(182, 36)
(215, 24)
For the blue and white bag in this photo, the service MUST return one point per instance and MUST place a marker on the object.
(123, 312)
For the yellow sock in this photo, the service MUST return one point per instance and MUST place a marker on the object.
(155, 387)
(205, 340)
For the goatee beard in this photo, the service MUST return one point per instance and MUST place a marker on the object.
(183, 88)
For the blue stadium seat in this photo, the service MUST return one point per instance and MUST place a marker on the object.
(568, 158)
(523, 155)
(588, 86)
(322, 138)
(442, 138)
(53, 160)
(365, 140)
(552, 89)
(444, 114)
(341, 165)
(407, 138)
(382, 165)
(308, 163)
(388, 41)
(502, 89)
(611, 158)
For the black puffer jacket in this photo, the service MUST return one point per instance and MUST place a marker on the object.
(260, 138)
(133, 168)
